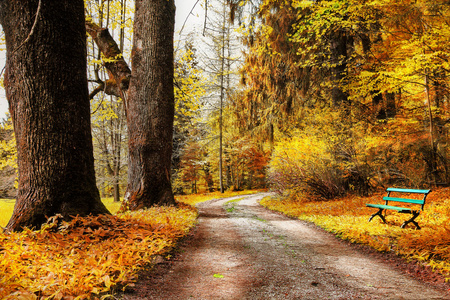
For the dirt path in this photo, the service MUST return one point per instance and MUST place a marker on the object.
(240, 250)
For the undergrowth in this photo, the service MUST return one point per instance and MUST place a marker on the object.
(348, 219)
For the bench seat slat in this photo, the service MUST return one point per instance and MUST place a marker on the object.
(400, 209)
(414, 201)
(408, 191)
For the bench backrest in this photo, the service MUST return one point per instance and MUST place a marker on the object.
(406, 200)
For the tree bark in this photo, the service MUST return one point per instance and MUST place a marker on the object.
(46, 87)
(118, 71)
(150, 106)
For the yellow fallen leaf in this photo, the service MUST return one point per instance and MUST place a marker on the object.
(107, 281)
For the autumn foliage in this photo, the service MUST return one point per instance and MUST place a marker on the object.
(348, 218)
(353, 95)
(92, 257)
(88, 258)
(339, 99)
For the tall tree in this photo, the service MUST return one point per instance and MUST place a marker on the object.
(222, 55)
(150, 106)
(276, 84)
(189, 88)
(46, 87)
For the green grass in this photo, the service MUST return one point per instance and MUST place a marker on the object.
(7, 207)
(229, 205)
(6, 210)
(233, 201)
(112, 206)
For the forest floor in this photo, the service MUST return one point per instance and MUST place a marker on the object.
(240, 250)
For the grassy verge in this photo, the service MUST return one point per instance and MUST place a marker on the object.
(6, 210)
(230, 205)
(348, 219)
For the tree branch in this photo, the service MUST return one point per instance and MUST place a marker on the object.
(118, 71)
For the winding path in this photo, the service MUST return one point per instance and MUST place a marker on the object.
(240, 250)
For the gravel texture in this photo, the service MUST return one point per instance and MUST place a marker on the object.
(240, 250)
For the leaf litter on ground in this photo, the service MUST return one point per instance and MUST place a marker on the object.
(88, 258)
(348, 218)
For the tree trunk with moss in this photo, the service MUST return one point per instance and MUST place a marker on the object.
(150, 106)
(46, 87)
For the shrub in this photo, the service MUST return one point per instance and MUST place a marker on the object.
(320, 166)
(303, 163)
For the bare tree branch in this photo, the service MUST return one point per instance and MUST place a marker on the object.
(118, 71)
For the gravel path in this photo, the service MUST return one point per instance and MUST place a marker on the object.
(240, 250)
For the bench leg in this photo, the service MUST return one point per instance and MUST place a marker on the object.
(378, 213)
(412, 220)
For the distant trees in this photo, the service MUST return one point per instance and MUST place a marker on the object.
(370, 79)
(223, 55)
(188, 161)
(46, 86)
(275, 83)
(200, 166)
(8, 160)
(108, 22)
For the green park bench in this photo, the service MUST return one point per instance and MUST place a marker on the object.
(405, 210)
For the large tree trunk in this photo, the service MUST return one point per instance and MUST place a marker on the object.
(150, 106)
(46, 87)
